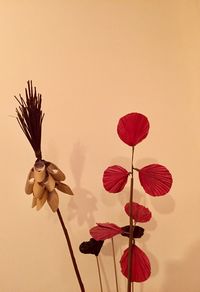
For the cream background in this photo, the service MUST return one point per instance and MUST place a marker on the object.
(93, 62)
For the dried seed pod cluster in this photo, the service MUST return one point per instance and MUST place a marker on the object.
(42, 181)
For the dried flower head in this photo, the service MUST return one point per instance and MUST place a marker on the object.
(43, 180)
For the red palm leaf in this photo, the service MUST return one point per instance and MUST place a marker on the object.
(115, 178)
(141, 268)
(133, 128)
(139, 212)
(105, 231)
(155, 179)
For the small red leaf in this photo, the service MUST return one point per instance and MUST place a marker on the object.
(115, 178)
(139, 212)
(104, 231)
(133, 128)
(141, 268)
(155, 179)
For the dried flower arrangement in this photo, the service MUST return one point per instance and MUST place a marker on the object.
(45, 178)
(155, 179)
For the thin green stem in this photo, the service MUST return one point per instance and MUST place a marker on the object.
(99, 273)
(115, 267)
(131, 227)
(71, 251)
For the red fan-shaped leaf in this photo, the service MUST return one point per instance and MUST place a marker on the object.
(133, 128)
(155, 179)
(104, 231)
(141, 268)
(139, 212)
(115, 178)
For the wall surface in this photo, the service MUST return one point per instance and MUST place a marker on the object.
(93, 62)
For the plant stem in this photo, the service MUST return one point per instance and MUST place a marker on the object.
(99, 273)
(71, 251)
(114, 261)
(131, 228)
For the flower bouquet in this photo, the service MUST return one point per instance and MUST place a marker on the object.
(45, 179)
(155, 179)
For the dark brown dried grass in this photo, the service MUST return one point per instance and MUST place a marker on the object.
(30, 117)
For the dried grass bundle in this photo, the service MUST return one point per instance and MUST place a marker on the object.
(30, 117)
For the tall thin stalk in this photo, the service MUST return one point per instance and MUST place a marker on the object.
(71, 251)
(99, 273)
(131, 228)
(115, 267)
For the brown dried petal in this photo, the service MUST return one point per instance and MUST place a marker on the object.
(29, 183)
(42, 200)
(38, 189)
(64, 188)
(53, 200)
(55, 172)
(50, 183)
(34, 202)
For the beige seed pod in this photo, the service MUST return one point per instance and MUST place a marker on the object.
(55, 172)
(50, 183)
(34, 202)
(38, 189)
(64, 188)
(39, 171)
(29, 183)
(42, 200)
(53, 200)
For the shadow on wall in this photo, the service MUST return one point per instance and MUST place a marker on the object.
(84, 206)
(183, 275)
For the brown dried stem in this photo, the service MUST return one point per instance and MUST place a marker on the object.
(71, 251)
(99, 273)
(114, 262)
(131, 228)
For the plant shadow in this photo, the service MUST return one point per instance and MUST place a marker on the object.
(85, 204)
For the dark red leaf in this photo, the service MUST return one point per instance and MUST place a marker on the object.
(104, 231)
(115, 178)
(133, 128)
(139, 212)
(91, 247)
(155, 179)
(138, 231)
(141, 268)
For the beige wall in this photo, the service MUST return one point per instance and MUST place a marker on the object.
(95, 61)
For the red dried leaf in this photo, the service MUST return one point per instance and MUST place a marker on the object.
(133, 128)
(115, 178)
(139, 212)
(155, 179)
(141, 268)
(104, 231)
